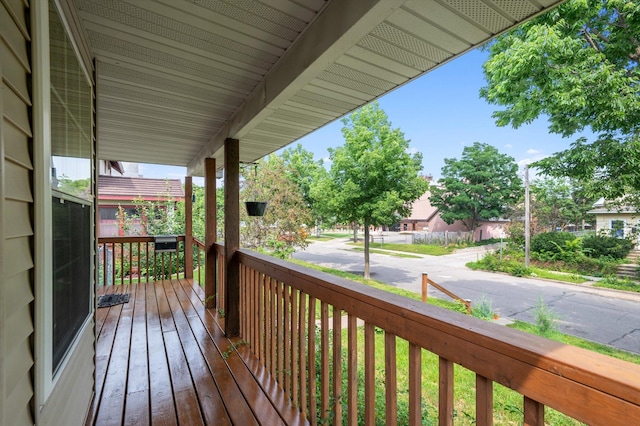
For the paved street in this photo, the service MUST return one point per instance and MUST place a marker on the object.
(604, 316)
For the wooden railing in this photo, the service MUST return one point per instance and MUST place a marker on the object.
(199, 255)
(134, 259)
(316, 334)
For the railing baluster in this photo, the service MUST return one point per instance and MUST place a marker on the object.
(352, 371)
(391, 383)
(268, 322)
(246, 279)
(533, 412)
(337, 366)
(130, 263)
(113, 263)
(445, 404)
(415, 385)
(148, 261)
(274, 326)
(280, 339)
(369, 374)
(324, 347)
(484, 401)
(295, 366)
(313, 416)
(138, 264)
(254, 312)
(121, 263)
(261, 323)
(104, 268)
(303, 354)
(287, 339)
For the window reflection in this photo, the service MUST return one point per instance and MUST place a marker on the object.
(71, 116)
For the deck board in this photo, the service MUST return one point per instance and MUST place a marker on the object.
(163, 359)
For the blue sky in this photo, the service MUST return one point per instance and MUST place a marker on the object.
(439, 113)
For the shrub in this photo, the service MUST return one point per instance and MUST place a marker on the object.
(602, 246)
(484, 309)
(545, 318)
(519, 270)
(551, 242)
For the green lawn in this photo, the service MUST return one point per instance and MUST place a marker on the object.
(430, 250)
(388, 253)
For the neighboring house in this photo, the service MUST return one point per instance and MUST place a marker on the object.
(120, 192)
(426, 218)
(620, 222)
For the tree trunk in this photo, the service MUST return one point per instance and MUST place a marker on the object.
(366, 252)
(355, 232)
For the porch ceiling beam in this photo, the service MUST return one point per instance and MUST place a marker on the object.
(338, 27)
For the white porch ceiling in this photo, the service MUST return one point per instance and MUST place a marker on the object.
(175, 78)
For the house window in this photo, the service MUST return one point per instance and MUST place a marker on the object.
(617, 228)
(72, 157)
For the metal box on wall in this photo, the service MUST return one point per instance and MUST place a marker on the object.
(165, 243)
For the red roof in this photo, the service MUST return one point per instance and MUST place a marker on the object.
(130, 188)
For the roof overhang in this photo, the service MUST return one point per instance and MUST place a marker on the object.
(175, 79)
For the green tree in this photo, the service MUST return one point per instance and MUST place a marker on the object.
(304, 170)
(483, 184)
(282, 229)
(557, 202)
(578, 65)
(373, 178)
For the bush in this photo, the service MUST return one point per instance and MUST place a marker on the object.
(551, 242)
(519, 270)
(546, 318)
(602, 246)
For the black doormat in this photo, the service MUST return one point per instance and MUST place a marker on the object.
(112, 299)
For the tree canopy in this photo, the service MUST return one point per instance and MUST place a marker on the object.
(373, 179)
(302, 169)
(558, 203)
(577, 65)
(482, 184)
(283, 226)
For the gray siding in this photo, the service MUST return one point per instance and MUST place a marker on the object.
(16, 229)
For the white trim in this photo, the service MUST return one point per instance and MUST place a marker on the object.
(42, 209)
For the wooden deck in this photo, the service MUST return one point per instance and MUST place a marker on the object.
(162, 358)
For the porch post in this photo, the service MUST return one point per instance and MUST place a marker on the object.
(188, 227)
(231, 237)
(210, 233)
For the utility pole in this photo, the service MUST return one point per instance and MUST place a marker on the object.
(527, 217)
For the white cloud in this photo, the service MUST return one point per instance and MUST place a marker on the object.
(412, 151)
(532, 151)
(508, 146)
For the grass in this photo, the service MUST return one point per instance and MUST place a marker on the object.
(323, 237)
(337, 234)
(581, 343)
(619, 284)
(430, 250)
(388, 253)
(558, 276)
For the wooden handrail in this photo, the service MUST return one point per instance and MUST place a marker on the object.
(425, 283)
(587, 386)
(133, 259)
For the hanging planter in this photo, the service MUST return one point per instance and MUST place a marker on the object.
(255, 208)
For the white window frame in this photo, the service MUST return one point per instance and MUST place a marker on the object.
(44, 378)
